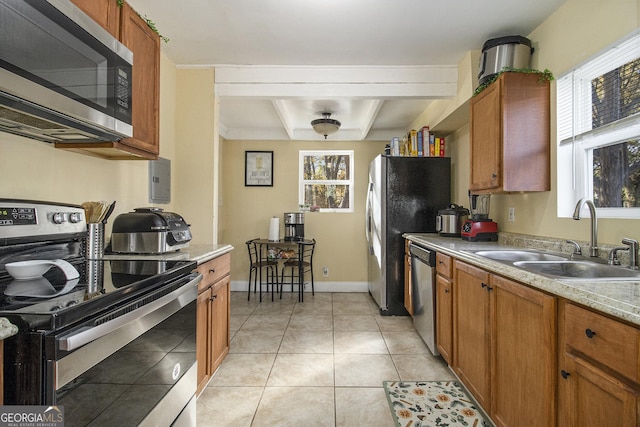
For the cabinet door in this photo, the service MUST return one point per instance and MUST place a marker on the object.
(444, 318)
(203, 337)
(145, 45)
(589, 397)
(486, 139)
(104, 12)
(523, 369)
(472, 339)
(219, 322)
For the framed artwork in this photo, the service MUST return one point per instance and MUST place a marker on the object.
(258, 168)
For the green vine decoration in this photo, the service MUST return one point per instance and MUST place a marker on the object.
(152, 25)
(544, 76)
(149, 22)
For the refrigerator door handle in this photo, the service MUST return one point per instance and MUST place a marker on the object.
(368, 219)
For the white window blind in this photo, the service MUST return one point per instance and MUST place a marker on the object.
(598, 125)
(575, 97)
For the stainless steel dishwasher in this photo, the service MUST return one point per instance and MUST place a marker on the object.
(423, 275)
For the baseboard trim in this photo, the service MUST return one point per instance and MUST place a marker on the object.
(242, 286)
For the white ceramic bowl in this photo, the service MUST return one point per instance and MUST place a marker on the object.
(26, 270)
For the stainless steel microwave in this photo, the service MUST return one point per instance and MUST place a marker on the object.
(63, 78)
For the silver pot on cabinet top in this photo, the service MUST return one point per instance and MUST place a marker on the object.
(449, 220)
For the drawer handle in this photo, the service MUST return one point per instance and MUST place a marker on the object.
(446, 291)
(440, 262)
(484, 285)
(212, 270)
(564, 374)
(589, 333)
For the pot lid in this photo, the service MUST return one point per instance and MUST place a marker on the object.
(454, 209)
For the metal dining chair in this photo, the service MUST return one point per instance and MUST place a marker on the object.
(257, 265)
(299, 269)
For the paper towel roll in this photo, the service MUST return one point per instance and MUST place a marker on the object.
(274, 229)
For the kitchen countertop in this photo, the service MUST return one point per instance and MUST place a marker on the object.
(7, 329)
(199, 253)
(620, 299)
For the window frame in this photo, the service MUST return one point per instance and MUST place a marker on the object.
(350, 182)
(575, 138)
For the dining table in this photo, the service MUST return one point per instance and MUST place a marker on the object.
(283, 245)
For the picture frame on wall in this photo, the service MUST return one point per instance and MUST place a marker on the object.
(258, 168)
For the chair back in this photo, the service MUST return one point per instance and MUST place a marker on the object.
(307, 251)
(252, 248)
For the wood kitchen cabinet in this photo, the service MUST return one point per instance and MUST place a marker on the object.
(504, 346)
(444, 307)
(510, 135)
(104, 12)
(213, 309)
(599, 369)
(472, 334)
(134, 33)
(523, 354)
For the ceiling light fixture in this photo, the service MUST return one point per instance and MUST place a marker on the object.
(326, 125)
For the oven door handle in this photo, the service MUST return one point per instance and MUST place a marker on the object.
(77, 339)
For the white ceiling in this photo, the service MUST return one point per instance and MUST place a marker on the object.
(374, 64)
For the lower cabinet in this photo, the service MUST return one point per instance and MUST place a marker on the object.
(444, 318)
(505, 346)
(212, 330)
(472, 341)
(523, 365)
(599, 370)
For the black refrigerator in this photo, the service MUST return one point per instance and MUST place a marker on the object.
(404, 195)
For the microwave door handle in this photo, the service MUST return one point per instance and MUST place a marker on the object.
(77, 339)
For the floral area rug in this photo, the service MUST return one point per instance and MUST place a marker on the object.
(431, 404)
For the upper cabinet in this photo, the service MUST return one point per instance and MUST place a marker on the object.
(104, 12)
(133, 32)
(510, 135)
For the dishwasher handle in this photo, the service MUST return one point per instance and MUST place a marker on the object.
(425, 255)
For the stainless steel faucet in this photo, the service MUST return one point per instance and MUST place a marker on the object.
(633, 252)
(593, 251)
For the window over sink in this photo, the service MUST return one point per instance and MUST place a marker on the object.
(326, 180)
(599, 132)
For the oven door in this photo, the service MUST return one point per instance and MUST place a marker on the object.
(137, 369)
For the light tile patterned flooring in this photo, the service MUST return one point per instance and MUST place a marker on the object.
(317, 363)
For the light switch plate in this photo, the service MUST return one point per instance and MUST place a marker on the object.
(160, 181)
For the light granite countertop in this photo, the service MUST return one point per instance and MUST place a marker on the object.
(616, 298)
(199, 253)
(7, 329)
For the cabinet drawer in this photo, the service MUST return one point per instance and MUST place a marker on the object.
(214, 270)
(612, 343)
(443, 265)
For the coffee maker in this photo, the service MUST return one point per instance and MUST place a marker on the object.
(479, 227)
(294, 226)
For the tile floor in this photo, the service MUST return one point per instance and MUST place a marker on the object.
(317, 363)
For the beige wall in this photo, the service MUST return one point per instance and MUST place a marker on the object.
(341, 244)
(195, 170)
(578, 30)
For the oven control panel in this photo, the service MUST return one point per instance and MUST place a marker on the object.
(27, 218)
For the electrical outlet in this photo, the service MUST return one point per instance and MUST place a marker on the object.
(325, 271)
(512, 214)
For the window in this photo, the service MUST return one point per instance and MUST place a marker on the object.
(326, 180)
(599, 133)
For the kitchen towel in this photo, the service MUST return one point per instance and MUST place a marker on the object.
(274, 229)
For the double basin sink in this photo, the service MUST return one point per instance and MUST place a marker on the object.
(559, 266)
